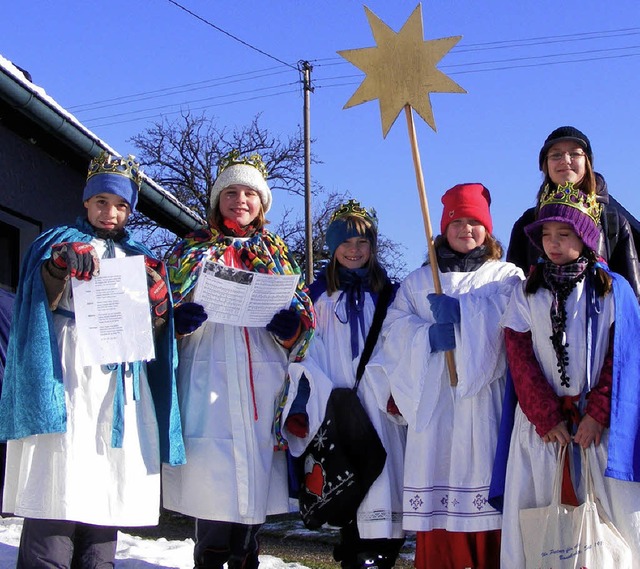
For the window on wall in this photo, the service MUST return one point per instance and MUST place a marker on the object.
(16, 234)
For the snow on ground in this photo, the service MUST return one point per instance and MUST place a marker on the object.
(133, 552)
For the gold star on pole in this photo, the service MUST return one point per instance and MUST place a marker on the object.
(401, 70)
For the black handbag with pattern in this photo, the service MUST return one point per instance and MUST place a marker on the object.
(346, 455)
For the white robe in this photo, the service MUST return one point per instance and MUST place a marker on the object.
(329, 364)
(233, 473)
(77, 475)
(453, 431)
(532, 462)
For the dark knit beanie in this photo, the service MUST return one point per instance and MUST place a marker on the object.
(565, 133)
(466, 200)
(569, 205)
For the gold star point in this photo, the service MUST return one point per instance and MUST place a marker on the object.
(401, 69)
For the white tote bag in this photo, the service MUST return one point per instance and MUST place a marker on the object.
(568, 537)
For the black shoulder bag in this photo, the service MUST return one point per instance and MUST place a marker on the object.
(346, 456)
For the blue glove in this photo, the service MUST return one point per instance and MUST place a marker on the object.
(188, 317)
(442, 337)
(446, 309)
(284, 324)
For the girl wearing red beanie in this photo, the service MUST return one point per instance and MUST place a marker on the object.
(452, 431)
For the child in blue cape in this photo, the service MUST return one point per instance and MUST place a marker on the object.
(85, 441)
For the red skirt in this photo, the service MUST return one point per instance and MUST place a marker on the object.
(441, 549)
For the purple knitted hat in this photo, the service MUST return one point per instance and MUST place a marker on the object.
(566, 204)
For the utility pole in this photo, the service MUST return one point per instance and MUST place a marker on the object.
(305, 68)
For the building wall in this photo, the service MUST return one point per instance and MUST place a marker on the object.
(37, 191)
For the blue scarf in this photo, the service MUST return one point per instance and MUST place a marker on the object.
(33, 397)
(354, 283)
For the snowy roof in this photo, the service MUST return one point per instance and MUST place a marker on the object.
(33, 101)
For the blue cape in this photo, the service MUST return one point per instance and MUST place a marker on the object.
(33, 399)
(623, 460)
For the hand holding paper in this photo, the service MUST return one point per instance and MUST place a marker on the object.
(79, 259)
(188, 317)
(285, 324)
(158, 291)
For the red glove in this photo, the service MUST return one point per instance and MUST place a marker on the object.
(156, 282)
(298, 424)
(79, 259)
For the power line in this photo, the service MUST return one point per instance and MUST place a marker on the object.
(194, 101)
(504, 68)
(462, 68)
(527, 58)
(155, 115)
(515, 43)
(169, 91)
(328, 62)
(231, 35)
(323, 85)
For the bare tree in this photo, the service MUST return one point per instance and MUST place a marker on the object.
(182, 156)
(292, 230)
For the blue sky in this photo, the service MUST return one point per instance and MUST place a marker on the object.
(527, 67)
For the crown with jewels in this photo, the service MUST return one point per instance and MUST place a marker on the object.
(104, 163)
(352, 208)
(570, 196)
(233, 158)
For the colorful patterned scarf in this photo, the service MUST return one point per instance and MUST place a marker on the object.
(264, 252)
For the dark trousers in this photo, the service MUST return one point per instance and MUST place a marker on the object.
(353, 552)
(218, 543)
(57, 544)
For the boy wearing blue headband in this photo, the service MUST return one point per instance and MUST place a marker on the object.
(85, 441)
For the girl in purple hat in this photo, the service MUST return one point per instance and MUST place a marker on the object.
(567, 156)
(572, 391)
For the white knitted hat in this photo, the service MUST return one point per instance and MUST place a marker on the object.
(244, 175)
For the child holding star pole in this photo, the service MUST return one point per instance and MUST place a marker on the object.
(571, 343)
(452, 430)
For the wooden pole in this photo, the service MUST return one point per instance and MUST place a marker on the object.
(308, 225)
(433, 259)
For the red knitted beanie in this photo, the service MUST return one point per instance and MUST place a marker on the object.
(466, 200)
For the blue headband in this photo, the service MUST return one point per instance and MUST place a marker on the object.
(122, 186)
(339, 231)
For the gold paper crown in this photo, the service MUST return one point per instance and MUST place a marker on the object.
(233, 158)
(353, 209)
(104, 163)
(570, 196)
